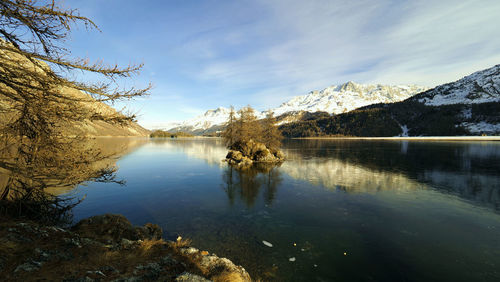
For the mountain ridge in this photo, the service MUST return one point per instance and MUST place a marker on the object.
(468, 106)
(334, 99)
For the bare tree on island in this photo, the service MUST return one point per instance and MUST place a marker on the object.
(251, 140)
(40, 95)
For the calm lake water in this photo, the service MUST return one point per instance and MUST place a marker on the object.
(334, 211)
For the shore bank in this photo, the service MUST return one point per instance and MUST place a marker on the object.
(423, 138)
(105, 248)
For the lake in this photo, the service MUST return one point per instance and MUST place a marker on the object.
(336, 210)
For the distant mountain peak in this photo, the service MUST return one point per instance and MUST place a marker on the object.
(349, 86)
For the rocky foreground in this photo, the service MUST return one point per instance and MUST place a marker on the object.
(245, 154)
(105, 248)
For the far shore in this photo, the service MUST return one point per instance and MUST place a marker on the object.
(421, 138)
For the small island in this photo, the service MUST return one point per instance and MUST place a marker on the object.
(166, 134)
(250, 140)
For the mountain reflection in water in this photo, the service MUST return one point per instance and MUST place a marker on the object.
(467, 169)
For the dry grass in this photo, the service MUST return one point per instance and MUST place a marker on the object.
(89, 258)
(74, 261)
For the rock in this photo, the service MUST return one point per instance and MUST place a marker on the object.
(43, 256)
(128, 279)
(189, 250)
(245, 154)
(110, 228)
(28, 266)
(245, 163)
(234, 155)
(189, 277)
(72, 241)
(149, 271)
(109, 269)
(265, 156)
(279, 154)
(168, 261)
(163, 260)
(126, 243)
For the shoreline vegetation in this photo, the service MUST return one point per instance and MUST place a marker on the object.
(166, 134)
(412, 138)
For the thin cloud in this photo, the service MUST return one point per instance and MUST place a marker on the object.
(263, 52)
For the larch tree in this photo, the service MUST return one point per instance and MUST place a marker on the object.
(229, 133)
(248, 126)
(271, 136)
(39, 89)
(36, 71)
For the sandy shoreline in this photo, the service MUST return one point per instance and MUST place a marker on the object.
(425, 138)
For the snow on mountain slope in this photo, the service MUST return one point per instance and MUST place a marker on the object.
(347, 97)
(479, 87)
(209, 119)
(334, 100)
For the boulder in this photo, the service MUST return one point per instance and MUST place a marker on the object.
(244, 154)
(244, 163)
(265, 156)
(112, 228)
(234, 155)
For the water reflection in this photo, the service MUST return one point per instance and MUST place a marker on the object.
(34, 174)
(336, 174)
(386, 204)
(211, 150)
(246, 184)
(469, 170)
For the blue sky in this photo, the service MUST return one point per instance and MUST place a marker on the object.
(203, 54)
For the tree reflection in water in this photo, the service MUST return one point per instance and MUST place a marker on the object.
(35, 175)
(247, 183)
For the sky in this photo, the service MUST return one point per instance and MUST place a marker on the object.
(201, 55)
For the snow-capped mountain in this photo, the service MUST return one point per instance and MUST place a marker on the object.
(479, 87)
(334, 100)
(347, 97)
(210, 119)
(468, 106)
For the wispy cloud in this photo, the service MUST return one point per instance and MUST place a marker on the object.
(262, 52)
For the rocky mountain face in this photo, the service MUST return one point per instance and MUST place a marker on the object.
(332, 100)
(468, 106)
